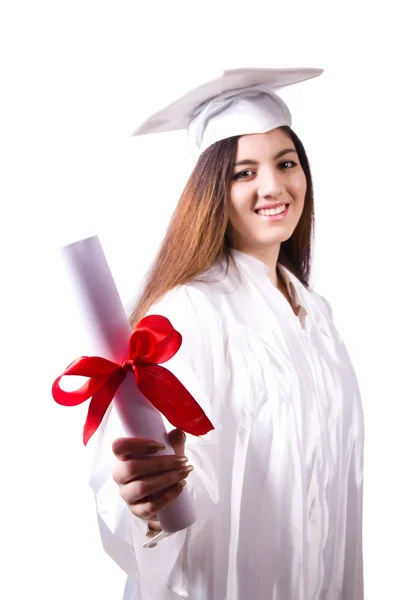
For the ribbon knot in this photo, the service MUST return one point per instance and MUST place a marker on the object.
(153, 341)
(127, 365)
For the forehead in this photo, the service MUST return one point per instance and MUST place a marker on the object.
(263, 143)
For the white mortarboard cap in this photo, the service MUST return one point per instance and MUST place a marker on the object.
(239, 102)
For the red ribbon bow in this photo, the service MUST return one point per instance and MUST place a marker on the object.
(153, 341)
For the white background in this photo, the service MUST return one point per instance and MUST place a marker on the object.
(76, 78)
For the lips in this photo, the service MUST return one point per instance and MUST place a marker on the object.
(273, 214)
(273, 205)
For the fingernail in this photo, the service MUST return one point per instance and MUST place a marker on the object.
(155, 447)
(180, 485)
(180, 460)
(182, 435)
(186, 470)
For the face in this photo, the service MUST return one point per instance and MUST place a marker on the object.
(267, 193)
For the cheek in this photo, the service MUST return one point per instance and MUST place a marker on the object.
(298, 190)
(239, 210)
(235, 217)
(240, 200)
(234, 209)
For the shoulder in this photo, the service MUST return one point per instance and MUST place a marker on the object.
(325, 305)
(200, 295)
(320, 304)
(190, 309)
(184, 299)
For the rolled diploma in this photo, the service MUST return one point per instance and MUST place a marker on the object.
(106, 321)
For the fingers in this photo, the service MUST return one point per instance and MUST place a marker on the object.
(139, 489)
(147, 509)
(154, 527)
(177, 439)
(124, 448)
(129, 469)
(148, 482)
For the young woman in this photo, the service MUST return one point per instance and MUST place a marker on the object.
(277, 485)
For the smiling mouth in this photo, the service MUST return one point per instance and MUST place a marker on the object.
(278, 211)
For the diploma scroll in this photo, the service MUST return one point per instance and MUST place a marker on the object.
(105, 319)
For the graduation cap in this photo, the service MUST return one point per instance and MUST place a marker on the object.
(239, 102)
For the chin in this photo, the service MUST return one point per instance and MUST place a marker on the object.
(277, 238)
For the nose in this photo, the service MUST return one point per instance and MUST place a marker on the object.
(270, 183)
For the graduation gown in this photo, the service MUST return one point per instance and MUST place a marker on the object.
(277, 486)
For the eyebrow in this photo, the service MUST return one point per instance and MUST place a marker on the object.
(248, 161)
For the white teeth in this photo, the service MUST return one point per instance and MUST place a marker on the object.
(268, 212)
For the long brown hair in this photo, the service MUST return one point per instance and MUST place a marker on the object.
(197, 236)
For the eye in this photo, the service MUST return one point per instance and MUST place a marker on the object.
(244, 174)
(288, 164)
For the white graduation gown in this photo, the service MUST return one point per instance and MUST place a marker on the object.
(277, 485)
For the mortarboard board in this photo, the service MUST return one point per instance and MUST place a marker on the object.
(239, 102)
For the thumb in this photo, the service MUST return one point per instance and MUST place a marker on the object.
(177, 439)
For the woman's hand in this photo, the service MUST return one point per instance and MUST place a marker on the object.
(148, 483)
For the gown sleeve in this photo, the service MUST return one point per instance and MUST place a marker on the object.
(199, 365)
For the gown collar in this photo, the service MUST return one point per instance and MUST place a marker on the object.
(247, 262)
(256, 268)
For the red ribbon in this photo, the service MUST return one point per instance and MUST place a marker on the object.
(153, 341)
